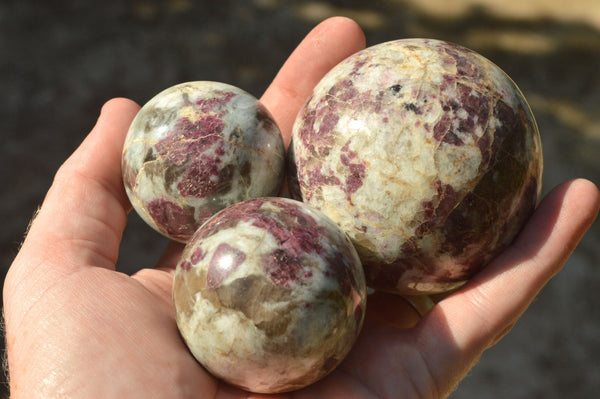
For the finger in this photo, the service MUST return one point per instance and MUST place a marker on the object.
(84, 213)
(456, 331)
(325, 46)
(390, 311)
(170, 257)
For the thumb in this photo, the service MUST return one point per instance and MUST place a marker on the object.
(82, 218)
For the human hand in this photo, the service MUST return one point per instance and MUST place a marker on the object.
(77, 328)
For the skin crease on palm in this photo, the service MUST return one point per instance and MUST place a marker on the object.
(77, 328)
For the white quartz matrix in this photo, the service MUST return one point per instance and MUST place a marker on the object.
(196, 148)
(270, 295)
(426, 154)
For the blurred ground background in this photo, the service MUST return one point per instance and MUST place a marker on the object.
(61, 60)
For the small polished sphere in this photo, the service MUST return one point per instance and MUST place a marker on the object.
(269, 295)
(196, 148)
(426, 154)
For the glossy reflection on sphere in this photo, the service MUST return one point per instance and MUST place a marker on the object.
(269, 295)
(426, 154)
(196, 148)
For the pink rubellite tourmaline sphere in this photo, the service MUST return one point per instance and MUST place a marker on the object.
(426, 154)
(269, 295)
(196, 148)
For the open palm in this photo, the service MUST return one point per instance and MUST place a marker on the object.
(78, 328)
